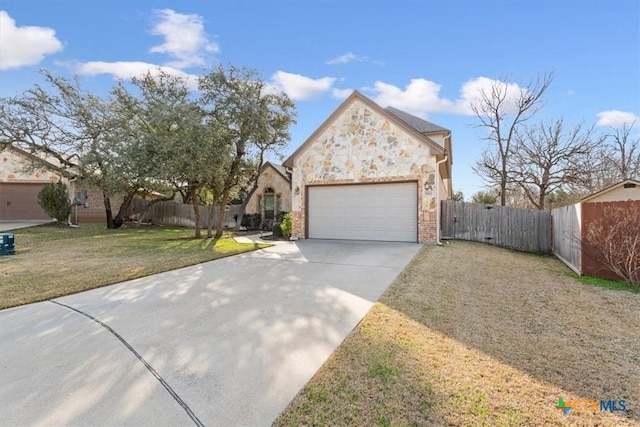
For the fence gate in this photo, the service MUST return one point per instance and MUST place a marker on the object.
(522, 229)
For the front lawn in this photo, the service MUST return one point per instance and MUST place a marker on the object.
(472, 335)
(52, 261)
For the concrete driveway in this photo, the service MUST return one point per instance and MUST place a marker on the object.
(14, 225)
(228, 342)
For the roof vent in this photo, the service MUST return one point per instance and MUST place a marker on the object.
(629, 185)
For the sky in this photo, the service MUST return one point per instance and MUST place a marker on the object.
(428, 58)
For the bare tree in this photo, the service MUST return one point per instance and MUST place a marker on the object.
(623, 153)
(616, 159)
(614, 241)
(501, 110)
(546, 157)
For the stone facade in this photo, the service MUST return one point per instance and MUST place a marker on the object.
(365, 145)
(17, 168)
(270, 178)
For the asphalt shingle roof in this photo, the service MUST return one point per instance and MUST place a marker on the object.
(417, 123)
(282, 170)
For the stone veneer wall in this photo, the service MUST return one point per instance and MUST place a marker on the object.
(363, 146)
(15, 168)
(271, 178)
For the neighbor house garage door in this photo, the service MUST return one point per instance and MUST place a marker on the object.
(387, 212)
(20, 202)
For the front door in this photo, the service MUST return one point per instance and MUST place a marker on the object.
(269, 204)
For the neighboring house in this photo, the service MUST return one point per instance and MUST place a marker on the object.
(20, 183)
(23, 175)
(273, 194)
(371, 173)
(569, 222)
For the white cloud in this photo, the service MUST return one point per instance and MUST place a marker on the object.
(615, 118)
(471, 93)
(184, 38)
(301, 88)
(341, 93)
(422, 97)
(20, 46)
(419, 97)
(346, 58)
(125, 70)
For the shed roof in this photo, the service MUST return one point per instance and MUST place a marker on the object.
(611, 188)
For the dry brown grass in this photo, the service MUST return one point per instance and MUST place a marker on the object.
(52, 261)
(471, 334)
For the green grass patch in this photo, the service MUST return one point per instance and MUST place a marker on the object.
(617, 285)
(53, 261)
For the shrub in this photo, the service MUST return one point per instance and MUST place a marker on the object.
(54, 201)
(286, 226)
(245, 220)
(280, 216)
(251, 220)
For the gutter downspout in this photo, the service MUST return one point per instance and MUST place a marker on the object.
(438, 207)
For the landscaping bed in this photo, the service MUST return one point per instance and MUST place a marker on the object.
(52, 261)
(471, 334)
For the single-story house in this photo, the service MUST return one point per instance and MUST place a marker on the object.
(23, 175)
(20, 184)
(571, 222)
(273, 195)
(371, 173)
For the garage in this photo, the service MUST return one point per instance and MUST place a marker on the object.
(19, 201)
(384, 212)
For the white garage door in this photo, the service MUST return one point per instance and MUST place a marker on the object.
(387, 212)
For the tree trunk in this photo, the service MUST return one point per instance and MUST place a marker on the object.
(118, 220)
(221, 217)
(503, 182)
(147, 208)
(107, 209)
(541, 204)
(212, 211)
(196, 211)
(243, 206)
(254, 187)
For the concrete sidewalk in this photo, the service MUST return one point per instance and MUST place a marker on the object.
(15, 225)
(229, 342)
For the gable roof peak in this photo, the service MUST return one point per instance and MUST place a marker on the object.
(279, 168)
(355, 95)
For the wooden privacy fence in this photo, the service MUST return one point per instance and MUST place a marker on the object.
(179, 214)
(522, 229)
(567, 236)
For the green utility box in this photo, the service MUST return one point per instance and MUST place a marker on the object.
(7, 244)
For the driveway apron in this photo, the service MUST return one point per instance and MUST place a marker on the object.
(228, 342)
